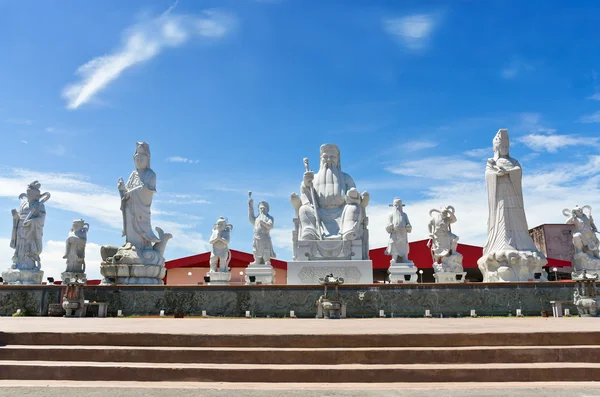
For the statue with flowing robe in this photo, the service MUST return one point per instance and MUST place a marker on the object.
(398, 227)
(509, 254)
(75, 246)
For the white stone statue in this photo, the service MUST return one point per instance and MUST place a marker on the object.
(447, 263)
(75, 252)
(398, 227)
(509, 253)
(26, 239)
(220, 255)
(262, 247)
(141, 260)
(323, 197)
(587, 250)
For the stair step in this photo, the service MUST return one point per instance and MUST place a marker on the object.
(301, 340)
(346, 373)
(332, 356)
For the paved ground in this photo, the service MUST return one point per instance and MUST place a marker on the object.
(264, 326)
(131, 389)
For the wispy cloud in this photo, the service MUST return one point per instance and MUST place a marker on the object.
(595, 97)
(479, 153)
(552, 142)
(515, 68)
(447, 168)
(141, 43)
(414, 146)
(19, 121)
(57, 150)
(179, 159)
(24, 142)
(413, 31)
(591, 118)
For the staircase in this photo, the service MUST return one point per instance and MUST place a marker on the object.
(451, 357)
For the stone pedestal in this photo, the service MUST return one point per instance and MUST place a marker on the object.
(72, 277)
(450, 277)
(219, 278)
(263, 274)
(309, 272)
(132, 274)
(583, 261)
(403, 273)
(23, 276)
(513, 266)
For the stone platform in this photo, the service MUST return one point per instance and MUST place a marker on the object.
(309, 272)
(362, 300)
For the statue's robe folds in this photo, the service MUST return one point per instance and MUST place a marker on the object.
(330, 196)
(137, 227)
(507, 223)
(444, 241)
(398, 243)
(28, 245)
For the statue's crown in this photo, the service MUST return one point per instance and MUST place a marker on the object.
(501, 136)
(34, 185)
(142, 148)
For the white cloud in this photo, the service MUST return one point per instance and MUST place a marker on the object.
(413, 31)
(50, 129)
(418, 145)
(24, 142)
(551, 143)
(439, 168)
(179, 159)
(19, 121)
(141, 43)
(515, 68)
(591, 118)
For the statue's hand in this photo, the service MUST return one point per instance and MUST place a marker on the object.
(121, 184)
(308, 177)
(250, 202)
(65, 256)
(501, 172)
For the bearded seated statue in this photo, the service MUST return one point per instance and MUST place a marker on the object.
(330, 211)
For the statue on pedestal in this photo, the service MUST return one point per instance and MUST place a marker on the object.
(26, 239)
(220, 255)
(140, 260)
(401, 268)
(398, 227)
(443, 243)
(587, 246)
(75, 253)
(509, 253)
(262, 247)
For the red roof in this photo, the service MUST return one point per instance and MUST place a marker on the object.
(238, 259)
(419, 254)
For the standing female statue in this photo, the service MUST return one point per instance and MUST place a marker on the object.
(509, 253)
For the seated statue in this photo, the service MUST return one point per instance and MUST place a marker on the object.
(587, 250)
(329, 208)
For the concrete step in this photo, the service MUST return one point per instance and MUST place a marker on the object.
(532, 338)
(347, 373)
(329, 356)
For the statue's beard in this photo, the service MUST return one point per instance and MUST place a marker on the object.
(329, 179)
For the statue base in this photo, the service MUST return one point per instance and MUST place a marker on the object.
(218, 278)
(323, 250)
(73, 277)
(582, 261)
(115, 273)
(309, 272)
(405, 272)
(450, 277)
(264, 274)
(23, 276)
(513, 266)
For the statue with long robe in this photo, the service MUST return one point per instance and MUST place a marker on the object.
(509, 254)
(75, 246)
(136, 200)
(262, 246)
(398, 227)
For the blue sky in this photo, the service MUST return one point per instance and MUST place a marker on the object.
(232, 95)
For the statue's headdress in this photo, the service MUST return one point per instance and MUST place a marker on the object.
(142, 148)
(397, 199)
(330, 148)
(35, 185)
(501, 138)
